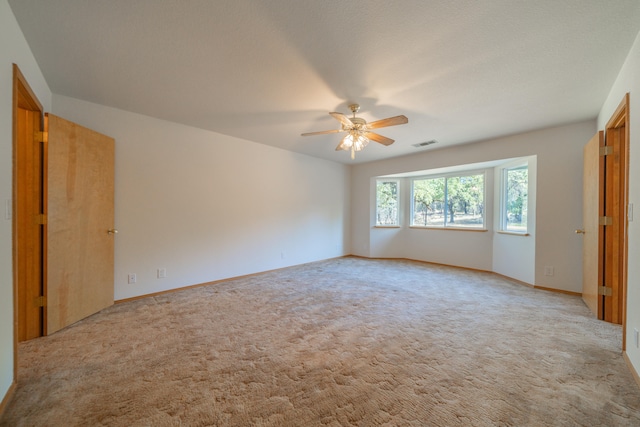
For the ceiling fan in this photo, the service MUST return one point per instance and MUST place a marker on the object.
(358, 130)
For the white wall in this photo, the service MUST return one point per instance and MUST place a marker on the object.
(628, 81)
(13, 49)
(206, 206)
(455, 247)
(558, 210)
(515, 255)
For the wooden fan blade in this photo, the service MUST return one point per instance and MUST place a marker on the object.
(379, 138)
(342, 119)
(322, 132)
(391, 121)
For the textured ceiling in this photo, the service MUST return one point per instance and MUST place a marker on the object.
(269, 70)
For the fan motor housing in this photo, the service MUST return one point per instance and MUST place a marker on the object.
(358, 122)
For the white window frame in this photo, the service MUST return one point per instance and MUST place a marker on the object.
(503, 199)
(398, 183)
(446, 226)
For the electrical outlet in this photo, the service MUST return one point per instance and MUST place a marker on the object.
(548, 270)
(162, 273)
(131, 278)
(283, 255)
(636, 337)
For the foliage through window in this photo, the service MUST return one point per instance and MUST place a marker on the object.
(453, 201)
(387, 203)
(514, 199)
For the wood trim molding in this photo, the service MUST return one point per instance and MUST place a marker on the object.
(215, 282)
(424, 262)
(23, 97)
(633, 371)
(620, 115)
(7, 398)
(198, 285)
(20, 84)
(617, 134)
(560, 291)
(511, 279)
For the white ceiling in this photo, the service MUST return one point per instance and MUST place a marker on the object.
(269, 70)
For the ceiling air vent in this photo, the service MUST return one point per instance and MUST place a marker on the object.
(424, 144)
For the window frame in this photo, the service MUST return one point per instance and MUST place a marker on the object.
(447, 176)
(504, 197)
(398, 183)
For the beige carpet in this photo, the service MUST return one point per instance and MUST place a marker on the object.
(346, 342)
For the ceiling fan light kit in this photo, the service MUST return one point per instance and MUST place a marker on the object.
(357, 128)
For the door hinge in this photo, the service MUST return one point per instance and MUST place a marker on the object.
(606, 150)
(41, 301)
(41, 136)
(604, 290)
(41, 219)
(605, 220)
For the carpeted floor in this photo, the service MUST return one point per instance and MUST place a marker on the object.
(345, 342)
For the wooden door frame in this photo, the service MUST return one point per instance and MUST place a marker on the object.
(617, 136)
(23, 97)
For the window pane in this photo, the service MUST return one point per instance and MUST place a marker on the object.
(516, 188)
(465, 201)
(387, 203)
(428, 202)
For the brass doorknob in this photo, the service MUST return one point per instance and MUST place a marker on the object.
(112, 231)
(579, 231)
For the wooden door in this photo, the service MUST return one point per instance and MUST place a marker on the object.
(80, 218)
(592, 202)
(605, 182)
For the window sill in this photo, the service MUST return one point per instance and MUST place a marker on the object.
(417, 227)
(386, 226)
(513, 233)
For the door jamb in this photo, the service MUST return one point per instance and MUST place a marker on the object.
(620, 118)
(23, 96)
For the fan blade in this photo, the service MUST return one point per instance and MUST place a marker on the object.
(391, 121)
(379, 138)
(342, 119)
(341, 146)
(322, 132)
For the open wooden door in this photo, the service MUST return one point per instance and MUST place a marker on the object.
(592, 203)
(80, 218)
(605, 222)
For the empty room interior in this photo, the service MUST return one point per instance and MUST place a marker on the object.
(330, 213)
